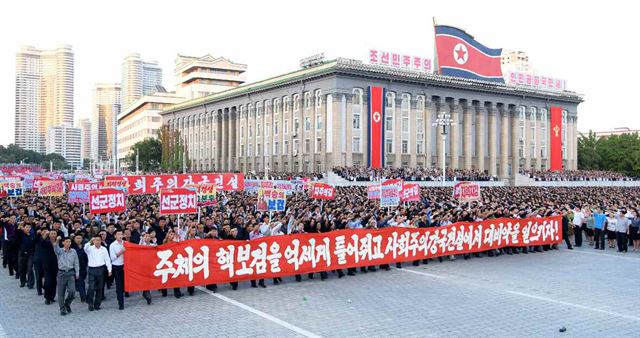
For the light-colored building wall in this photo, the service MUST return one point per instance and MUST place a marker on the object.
(139, 78)
(201, 76)
(85, 143)
(106, 107)
(66, 141)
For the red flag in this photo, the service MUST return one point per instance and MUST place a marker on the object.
(556, 138)
(376, 127)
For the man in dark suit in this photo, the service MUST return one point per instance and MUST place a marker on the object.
(25, 258)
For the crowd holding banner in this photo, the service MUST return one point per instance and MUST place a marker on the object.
(202, 262)
(107, 200)
(151, 184)
(178, 201)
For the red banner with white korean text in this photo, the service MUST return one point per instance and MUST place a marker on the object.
(556, 138)
(107, 200)
(410, 192)
(152, 184)
(51, 188)
(78, 192)
(467, 191)
(322, 191)
(178, 201)
(206, 261)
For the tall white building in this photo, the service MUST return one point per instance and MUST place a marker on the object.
(139, 78)
(201, 76)
(44, 93)
(66, 141)
(142, 120)
(85, 141)
(106, 107)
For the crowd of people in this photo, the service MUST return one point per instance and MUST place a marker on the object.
(356, 174)
(576, 175)
(277, 175)
(57, 249)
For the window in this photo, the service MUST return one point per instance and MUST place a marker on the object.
(543, 132)
(241, 132)
(564, 134)
(276, 148)
(214, 136)
(258, 150)
(307, 145)
(285, 103)
(356, 111)
(242, 150)
(267, 129)
(389, 145)
(258, 110)
(405, 146)
(267, 107)
(250, 131)
(388, 124)
(318, 121)
(276, 106)
(258, 127)
(250, 150)
(532, 132)
(356, 119)
(391, 100)
(285, 147)
(307, 100)
(250, 109)
(296, 102)
(307, 123)
(318, 99)
(419, 146)
(296, 147)
(296, 125)
(521, 130)
(318, 145)
(275, 128)
(286, 127)
(355, 145)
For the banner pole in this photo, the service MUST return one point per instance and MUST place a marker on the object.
(321, 205)
(199, 209)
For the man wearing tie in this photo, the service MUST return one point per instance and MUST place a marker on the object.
(98, 260)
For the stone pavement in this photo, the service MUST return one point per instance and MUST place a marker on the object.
(591, 293)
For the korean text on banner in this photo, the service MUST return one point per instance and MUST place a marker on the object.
(107, 200)
(12, 189)
(271, 200)
(207, 194)
(322, 191)
(152, 184)
(410, 192)
(51, 188)
(390, 193)
(78, 192)
(178, 201)
(373, 192)
(201, 262)
(467, 191)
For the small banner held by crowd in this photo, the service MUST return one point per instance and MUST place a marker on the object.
(322, 191)
(373, 192)
(51, 188)
(410, 192)
(78, 192)
(466, 192)
(178, 201)
(119, 184)
(271, 200)
(11, 189)
(207, 194)
(390, 191)
(201, 262)
(102, 201)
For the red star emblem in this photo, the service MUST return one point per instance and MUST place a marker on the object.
(460, 53)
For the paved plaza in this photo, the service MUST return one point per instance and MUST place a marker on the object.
(590, 293)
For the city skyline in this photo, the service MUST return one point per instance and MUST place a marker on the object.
(557, 44)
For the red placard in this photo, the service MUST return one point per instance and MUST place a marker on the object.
(37, 182)
(178, 201)
(51, 188)
(106, 200)
(152, 184)
(201, 262)
(466, 191)
(410, 192)
(556, 138)
(322, 191)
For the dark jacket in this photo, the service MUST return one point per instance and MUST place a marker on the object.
(27, 242)
(48, 256)
(82, 259)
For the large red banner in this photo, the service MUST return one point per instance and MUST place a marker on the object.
(107, 200)
(376, 127)
(556, 138)
(206, 261)
(322, 191)
(152, 184)
(178, 201)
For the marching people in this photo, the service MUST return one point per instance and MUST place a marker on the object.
(146, 241)
(98, 261)
(68, 273)
(599, 221)
(25, 258)
(49, 264)
(78, 246)
(116, 253)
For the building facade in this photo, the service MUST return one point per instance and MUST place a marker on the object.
(106, 107)
(66, 141)
(142, 120)
(201, 76)
(85, 140)
(315, 118)
(616, 131)
(44, 94)
(139, 78)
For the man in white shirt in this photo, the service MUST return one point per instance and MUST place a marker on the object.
(116, 253)
(578, 219)
(99, 259)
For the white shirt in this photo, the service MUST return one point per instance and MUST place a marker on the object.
(114, 249)
(578, 217)
(97, 257)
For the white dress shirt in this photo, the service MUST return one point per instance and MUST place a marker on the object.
(114, 249)
(97, 257)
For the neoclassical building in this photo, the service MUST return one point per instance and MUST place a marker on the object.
(315, 118)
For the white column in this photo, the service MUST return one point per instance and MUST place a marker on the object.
(467, 135)
(515, 142)
(504, 142)
(429, 107)
(480, 118)
(455, 131)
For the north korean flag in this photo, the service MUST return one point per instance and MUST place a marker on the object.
(459, 54)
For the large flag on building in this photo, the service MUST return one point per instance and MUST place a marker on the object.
(556, 138)
(459, 54)
(375, 138)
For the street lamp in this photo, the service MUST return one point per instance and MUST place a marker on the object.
(22, 160)
(444, 120)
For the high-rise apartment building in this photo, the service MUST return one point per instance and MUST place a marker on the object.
(66, 141)
(106, 107)
(139, 78)
(85, 142)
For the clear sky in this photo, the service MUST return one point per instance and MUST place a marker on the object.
(591, 45)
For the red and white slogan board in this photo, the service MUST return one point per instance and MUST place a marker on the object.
(152, 184)
(466, 191)
(375, 137)
(51, 188)
(410, 192)
(322, 191)
(119, 183)
(37, 182)
(556, 138)
(373, 192)
(178, 201)
(200, 261)
(102, 201)
(79, 192)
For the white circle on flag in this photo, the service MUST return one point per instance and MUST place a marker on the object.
(376, 117)
(460, 54)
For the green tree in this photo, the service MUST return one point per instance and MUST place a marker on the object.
(149, 153)
(588, 157)
(619, 153)
(173, 149)
(58, 161)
